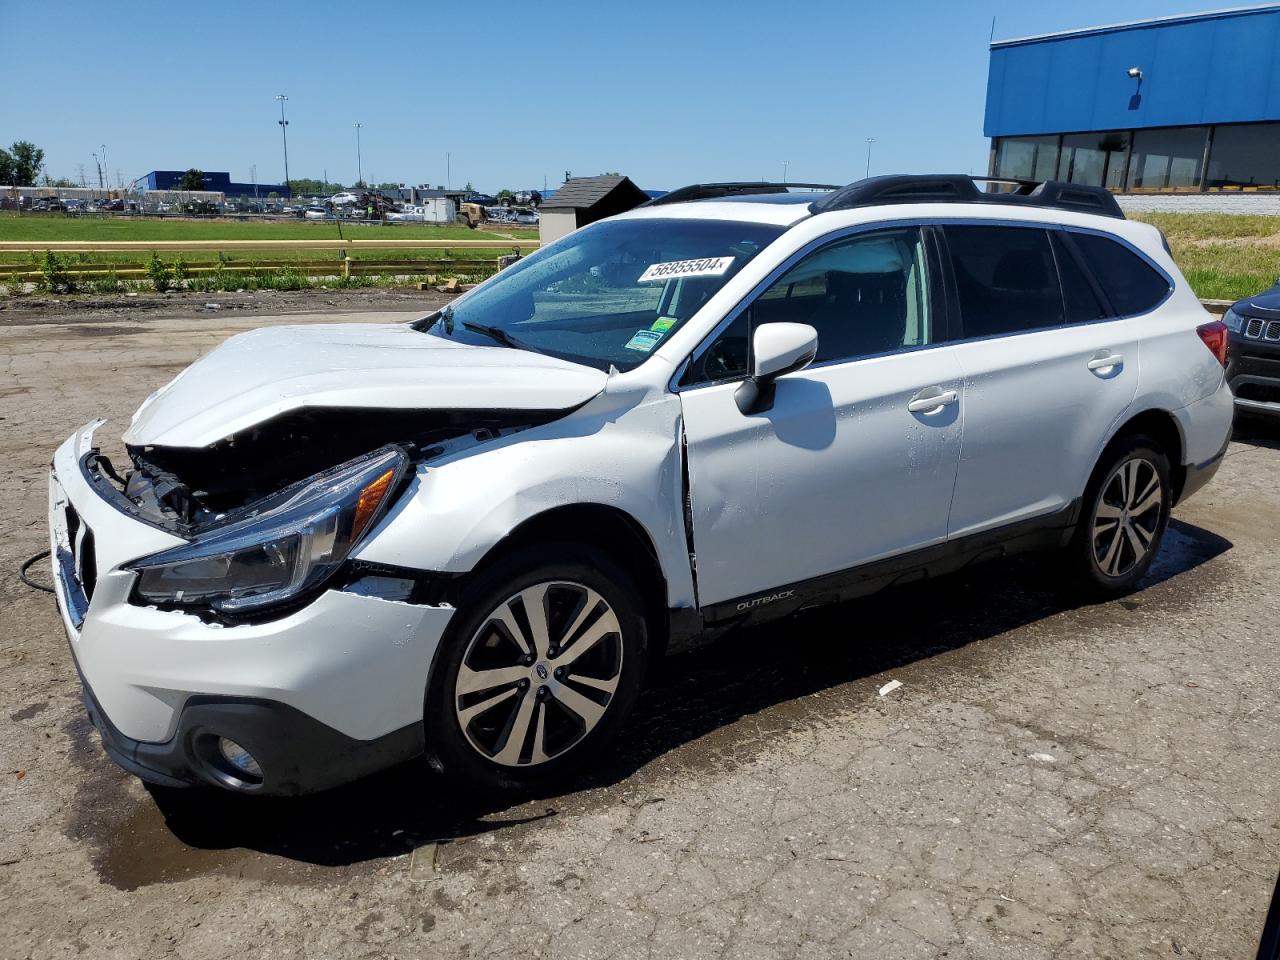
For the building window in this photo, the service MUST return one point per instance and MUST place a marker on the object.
(1026, 158)
(1168, 159)
(1245, 157)
(1094, 158)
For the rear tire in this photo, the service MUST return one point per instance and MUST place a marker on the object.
(537, 670)
(1123, 517)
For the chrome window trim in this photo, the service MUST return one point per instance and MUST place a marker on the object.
(674, 385)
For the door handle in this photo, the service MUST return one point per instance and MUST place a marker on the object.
(931, 400)
(1105, 360)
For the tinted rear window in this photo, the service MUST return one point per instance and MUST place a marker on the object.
(1006, 279)
(1129, 282)
(1078, 299)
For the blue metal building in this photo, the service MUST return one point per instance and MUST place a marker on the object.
(221, 182)
(1185, 103)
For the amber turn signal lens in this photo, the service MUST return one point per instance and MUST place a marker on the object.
(371, 498)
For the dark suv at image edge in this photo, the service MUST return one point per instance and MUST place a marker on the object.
(1253, 359)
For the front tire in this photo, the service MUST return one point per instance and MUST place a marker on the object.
(1123, 517)
(538, 669)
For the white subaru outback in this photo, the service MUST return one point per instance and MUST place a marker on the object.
(338, 547)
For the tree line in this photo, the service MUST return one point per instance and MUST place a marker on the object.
(21, 164)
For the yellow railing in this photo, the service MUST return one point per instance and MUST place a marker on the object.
(126, 246)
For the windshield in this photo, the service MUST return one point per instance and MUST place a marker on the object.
(608, 294)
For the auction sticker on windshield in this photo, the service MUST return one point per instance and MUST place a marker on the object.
(644, 341)
(706, 267)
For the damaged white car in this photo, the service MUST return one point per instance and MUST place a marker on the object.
(339, 547)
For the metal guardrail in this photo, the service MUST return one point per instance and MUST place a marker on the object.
(126, 246)
(347, 267)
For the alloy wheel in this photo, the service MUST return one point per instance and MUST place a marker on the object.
(539, 673)
(1127, 517)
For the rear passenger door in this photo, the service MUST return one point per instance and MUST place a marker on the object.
(1046, 373)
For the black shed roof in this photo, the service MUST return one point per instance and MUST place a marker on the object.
(583, 193)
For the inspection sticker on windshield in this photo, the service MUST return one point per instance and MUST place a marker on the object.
(706, 267)
(644, 340)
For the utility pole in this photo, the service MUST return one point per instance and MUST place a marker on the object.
(359, 163)
(284, 137)
(870, 141)
(448, 170)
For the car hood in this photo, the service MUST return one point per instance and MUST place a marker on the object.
(1266, 303)
(259, 375)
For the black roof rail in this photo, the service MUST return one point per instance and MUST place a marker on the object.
(709, 191)
(958, 188)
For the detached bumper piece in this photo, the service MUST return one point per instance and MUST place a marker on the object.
(291, 753)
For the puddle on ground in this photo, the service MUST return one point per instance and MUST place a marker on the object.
(705, 710)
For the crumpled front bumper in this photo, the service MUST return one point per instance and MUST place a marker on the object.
(353, 667)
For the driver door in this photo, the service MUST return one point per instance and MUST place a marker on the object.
(847, 466)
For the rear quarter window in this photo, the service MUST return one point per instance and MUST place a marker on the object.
(1131, 284)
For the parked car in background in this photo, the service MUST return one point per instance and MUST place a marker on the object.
(337, 547)
(1253, 357)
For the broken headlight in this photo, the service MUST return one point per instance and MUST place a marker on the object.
(292, 542)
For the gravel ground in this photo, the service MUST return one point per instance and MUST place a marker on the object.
(1051, 780)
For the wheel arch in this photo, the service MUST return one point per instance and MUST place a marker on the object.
(1162, 427)
(609, 529)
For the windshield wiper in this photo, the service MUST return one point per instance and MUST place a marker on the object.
(497, 334)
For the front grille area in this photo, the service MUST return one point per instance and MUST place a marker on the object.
(1257, 329)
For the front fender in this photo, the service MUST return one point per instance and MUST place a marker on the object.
(457, 509)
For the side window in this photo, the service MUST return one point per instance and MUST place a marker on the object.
(865, 295)
(1129, 282)
(1006, 279)
(729, 358)
(1078, 299)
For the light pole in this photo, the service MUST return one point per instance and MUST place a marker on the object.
(104, 166)
(448, 171)
(359, 165)
(284, 136)
(870, 141)
(784, 171)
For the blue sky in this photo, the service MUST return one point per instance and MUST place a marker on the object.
(667, 92)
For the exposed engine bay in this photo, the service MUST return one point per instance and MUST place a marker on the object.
(186, 489)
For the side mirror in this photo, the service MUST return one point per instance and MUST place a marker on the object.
(777, 349)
